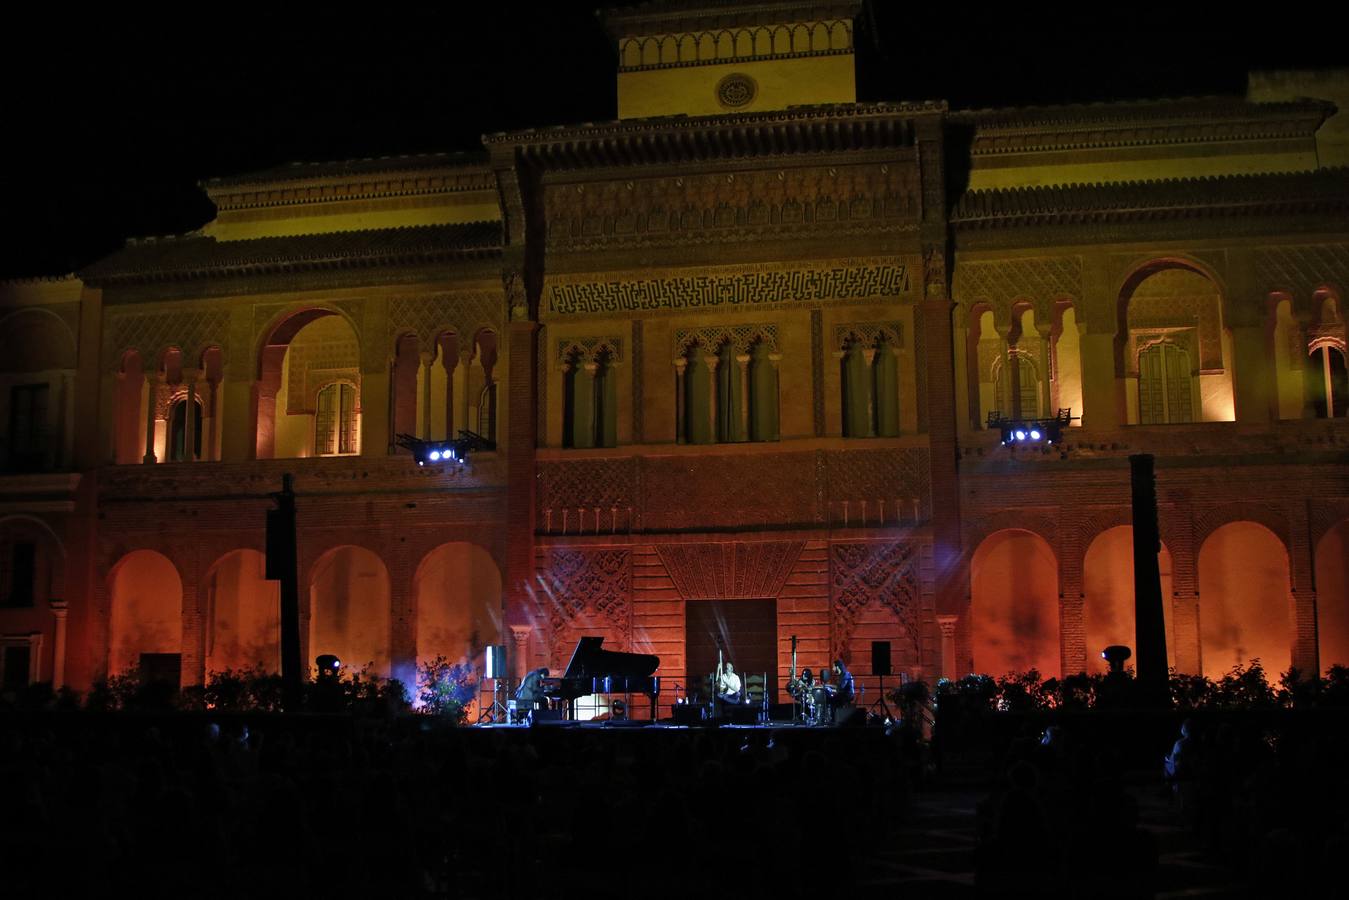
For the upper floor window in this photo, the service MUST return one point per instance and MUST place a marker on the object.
(727, 385)
(336, 424)
(28, 425)
(1328, 380)
(19, 576)
(178, 431)
(1165, 385)
(590, 400)
(869, 370)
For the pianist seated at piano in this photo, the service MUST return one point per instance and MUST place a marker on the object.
(531, 690)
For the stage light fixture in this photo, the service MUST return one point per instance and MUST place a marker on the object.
(455, 451)
(1030, 431)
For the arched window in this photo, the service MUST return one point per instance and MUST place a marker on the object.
(336, 431)
(1330, 391)
(856, 392)
(590, 402)
(1165, 385)
(730, 427)
(697, 394)
(763, 394)
(1018, 388)
(178, 431)
(885, 390)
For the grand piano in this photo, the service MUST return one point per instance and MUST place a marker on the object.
(594, 670)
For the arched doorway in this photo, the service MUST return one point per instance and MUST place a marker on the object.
(1332, 596)
(1245, 611)
(1014, 605)
(349, 613)
(305, 354)
(1108, 583)
(146, 628)
(458, 594)
(1174, 352)
(243, 610)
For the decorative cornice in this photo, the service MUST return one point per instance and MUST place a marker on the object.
(673, 139)
(1138, 123)
(195, 257)
(666, 16)
(388, 176)
(1321, 191)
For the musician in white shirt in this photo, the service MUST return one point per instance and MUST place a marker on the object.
(728, 685)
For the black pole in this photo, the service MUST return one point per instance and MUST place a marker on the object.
(282, 566)
(1149, 618)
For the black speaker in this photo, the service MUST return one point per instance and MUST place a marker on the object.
(688, 713)
(880, 657)
(546, 717)
(495, 661)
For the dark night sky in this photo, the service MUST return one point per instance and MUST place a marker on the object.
(107, 130)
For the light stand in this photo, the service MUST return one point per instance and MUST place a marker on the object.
(495, 667)
(880, 702)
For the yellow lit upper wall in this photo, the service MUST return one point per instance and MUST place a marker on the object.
(774, 84)
(352, 196)
(1140, 141)
(1332, 85)
(707, 58)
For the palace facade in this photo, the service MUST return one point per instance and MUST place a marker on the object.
(739, 350)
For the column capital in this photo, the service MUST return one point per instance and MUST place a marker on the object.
(60, 608)
(947, 624)
(520, 633)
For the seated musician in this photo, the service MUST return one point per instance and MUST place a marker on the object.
(846, 690)
(530, 690)
(728, 685)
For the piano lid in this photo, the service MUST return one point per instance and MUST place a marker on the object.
(590, 660)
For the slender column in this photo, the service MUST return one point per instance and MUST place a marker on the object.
(519, 666)
(152, 381)
(59, 610)
(947, 624)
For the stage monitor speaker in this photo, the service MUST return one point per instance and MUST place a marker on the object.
(496, 661)
(688, 713)
(546, 717)
(880, 658)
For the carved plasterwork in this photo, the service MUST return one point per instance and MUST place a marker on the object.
(193, 331)
(757, 286)
(589, 349)
(723, 206)
(1178, 301)
(1000, 283)
(1302, 269)
(741, 338)
(730, 571)
(587, 483)
(885, 574)
(720, 44)
(869, 334)
(429, 315)
(582, 589)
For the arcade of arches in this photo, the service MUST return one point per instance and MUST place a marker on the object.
(456, 591)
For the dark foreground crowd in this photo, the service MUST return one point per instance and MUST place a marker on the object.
(1264, 797)
(188, 806)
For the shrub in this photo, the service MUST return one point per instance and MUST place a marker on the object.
(446, 689)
